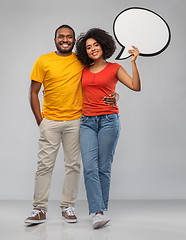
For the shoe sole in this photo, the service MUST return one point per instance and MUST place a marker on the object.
(70, 220)
(35, 221)
(100, 224)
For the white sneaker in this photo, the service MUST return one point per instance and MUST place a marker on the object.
(99, 220)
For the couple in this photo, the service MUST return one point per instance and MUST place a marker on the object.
(79, 109)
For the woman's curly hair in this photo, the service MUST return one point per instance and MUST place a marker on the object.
(105, 40)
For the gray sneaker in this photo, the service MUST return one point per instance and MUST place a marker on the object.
(99, 220)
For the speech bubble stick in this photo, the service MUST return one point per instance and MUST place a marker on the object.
(143, 29)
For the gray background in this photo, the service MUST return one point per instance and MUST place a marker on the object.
(150, 157)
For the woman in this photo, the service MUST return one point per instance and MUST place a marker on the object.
(100, 125)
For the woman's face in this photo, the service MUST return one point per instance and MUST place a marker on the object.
(93, 49)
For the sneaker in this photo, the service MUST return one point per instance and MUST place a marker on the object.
(68, 215)
(99, 220)
(37, 216)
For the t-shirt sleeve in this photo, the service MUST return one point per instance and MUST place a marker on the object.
(38, 73)
(116, 66)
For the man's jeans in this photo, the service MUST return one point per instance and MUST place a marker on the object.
(52, 133)
(98, 139)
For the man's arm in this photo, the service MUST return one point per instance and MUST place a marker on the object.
(112, 99)
(34, 100)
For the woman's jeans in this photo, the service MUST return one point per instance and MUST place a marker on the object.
(98, 138)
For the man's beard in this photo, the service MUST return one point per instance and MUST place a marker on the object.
(64, 51)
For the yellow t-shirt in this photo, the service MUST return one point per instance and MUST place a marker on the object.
(61, 78)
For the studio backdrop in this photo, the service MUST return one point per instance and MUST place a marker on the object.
(150, 158)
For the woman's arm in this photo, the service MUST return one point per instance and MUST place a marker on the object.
(34, 100)
(134, 81)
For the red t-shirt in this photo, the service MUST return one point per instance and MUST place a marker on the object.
(96, 86)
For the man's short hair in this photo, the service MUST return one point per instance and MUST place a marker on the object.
(65, 26)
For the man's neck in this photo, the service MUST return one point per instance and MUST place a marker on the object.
(63, 54)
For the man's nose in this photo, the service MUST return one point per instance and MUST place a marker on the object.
(65, 39)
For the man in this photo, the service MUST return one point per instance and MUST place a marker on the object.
(60, 73)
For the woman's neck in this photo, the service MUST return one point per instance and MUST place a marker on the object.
(98, 65)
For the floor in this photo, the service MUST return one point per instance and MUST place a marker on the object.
(130, 220)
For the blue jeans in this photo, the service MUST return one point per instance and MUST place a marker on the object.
(98, 139)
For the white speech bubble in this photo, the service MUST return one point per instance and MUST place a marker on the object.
(142, 28)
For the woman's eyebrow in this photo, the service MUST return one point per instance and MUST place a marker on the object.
(92, 44)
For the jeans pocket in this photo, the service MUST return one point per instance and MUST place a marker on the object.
(112, 117)
(83, 118)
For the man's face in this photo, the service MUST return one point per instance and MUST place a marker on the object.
(64, 41)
